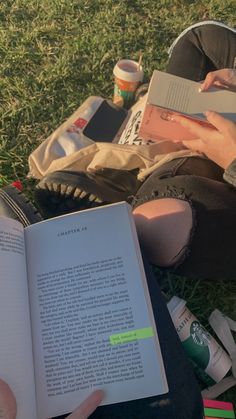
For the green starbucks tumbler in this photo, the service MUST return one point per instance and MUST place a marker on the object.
(198, 344)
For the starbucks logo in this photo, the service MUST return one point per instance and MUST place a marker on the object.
(199, 334)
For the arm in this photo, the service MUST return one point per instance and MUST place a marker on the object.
(230, 173)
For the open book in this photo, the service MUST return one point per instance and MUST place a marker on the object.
(169, 94)
(76, 313)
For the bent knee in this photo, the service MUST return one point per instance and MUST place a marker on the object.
(164, 229)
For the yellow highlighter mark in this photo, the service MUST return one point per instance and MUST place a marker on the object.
(132, 335)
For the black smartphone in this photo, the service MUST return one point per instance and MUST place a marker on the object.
(105, 123)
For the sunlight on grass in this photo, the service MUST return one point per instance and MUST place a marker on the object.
(54, 54)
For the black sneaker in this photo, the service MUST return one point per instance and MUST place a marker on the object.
(66, 191)
(14, 204)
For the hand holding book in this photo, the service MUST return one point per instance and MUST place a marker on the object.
(225, 78)
(169, 96)
(219, 144)
(88, 406)
(8, 407)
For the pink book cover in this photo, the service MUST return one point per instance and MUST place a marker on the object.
(156, 125)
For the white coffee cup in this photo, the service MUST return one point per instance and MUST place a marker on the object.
(128, 75)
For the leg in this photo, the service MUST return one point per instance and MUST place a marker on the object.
(199, 49)
(206, 47)
(207, 242)
(164, 225)
(164, 228)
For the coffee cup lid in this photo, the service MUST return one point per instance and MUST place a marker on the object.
(175, 304)
(121, 71)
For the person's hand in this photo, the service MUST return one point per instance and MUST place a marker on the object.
(7, 402)
(225, 78)
(8, 406)
(88, 406)
(217, 144)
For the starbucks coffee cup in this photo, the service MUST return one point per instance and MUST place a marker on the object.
(128, 75)
(198, 344)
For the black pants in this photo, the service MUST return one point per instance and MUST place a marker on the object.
(202, 49)
(210, 252)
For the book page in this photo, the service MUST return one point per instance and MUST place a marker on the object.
(182, 95)
(16, 362)
(93, 326)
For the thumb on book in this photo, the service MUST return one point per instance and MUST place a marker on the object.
(88, 406)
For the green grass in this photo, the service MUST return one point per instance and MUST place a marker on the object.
(56, 53)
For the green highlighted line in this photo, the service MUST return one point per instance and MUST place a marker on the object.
(132, 335)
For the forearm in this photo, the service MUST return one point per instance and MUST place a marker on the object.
(230, 173)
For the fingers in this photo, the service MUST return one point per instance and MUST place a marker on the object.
(195, 145)
(209, 81)
(88, 406)
(7, 402)
(223, 77)
(196, 128)
(222, 124)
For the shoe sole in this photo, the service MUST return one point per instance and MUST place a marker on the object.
(59, 194)
(80, 186)
(17, 202)
(66, 191)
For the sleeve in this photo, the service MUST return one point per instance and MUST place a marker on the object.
(230, 173)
